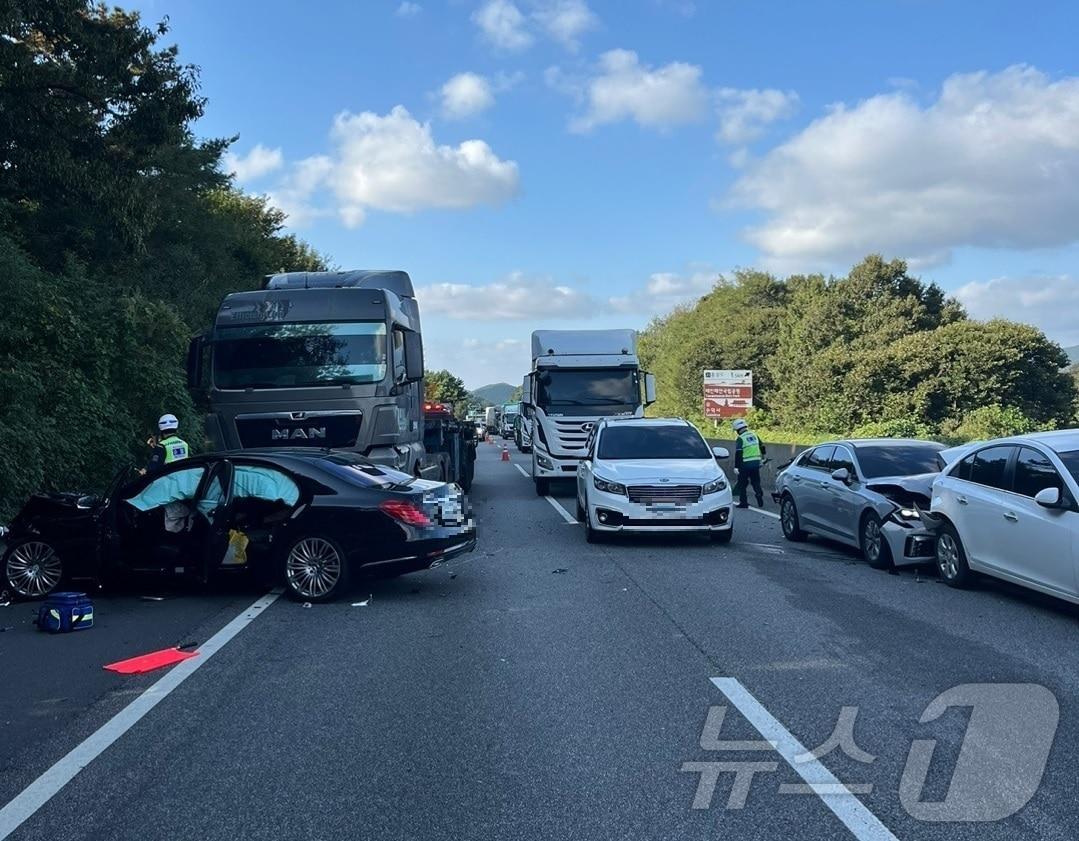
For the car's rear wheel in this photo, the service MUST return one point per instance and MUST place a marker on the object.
(32, 569)
(952, 558)
(315, 569)
(874, 545)
(788, 519)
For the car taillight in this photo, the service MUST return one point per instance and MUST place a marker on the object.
(405, 512)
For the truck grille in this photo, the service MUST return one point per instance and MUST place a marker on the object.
(652, 494)
(313, 430)
(572, 435)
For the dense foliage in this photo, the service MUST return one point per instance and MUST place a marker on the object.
(444, 387)
(119, 234)
(877, 352)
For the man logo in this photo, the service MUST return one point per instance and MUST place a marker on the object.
(312, 433)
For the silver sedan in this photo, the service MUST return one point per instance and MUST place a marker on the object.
(865, 493)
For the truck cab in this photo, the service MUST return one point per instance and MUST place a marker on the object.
(578, 377)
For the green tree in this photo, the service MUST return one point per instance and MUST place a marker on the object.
(444, 387)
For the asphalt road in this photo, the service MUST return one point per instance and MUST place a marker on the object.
(545, 688)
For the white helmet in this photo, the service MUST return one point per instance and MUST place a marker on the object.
(740, 425)
(168, 423)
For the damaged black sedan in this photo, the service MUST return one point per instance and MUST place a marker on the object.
(866, 493)
(309, 518)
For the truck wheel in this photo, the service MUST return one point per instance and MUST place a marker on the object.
(543, 487)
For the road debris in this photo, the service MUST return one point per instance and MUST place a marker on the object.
(307, 604)
(150, 662)
(364, 603)
(153, 598)
(559, 571)
(186, 645)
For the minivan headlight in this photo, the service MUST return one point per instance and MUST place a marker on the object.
(715, 486)
(609, 487)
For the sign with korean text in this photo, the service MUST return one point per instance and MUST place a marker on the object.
(727, 393)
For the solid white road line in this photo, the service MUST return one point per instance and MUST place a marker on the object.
(762, 511)
(569, 518)
(863, 824)
(522, 470)
(38, 793)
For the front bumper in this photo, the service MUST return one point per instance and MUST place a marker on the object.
(612, 513)
(910, 545)
(549, 466)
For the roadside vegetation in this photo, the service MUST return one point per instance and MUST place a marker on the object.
(875, 353)
(119, 234)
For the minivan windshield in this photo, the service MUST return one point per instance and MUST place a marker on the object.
(651, 442)
(299, 355)
(898, 459)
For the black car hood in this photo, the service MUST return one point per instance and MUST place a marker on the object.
(905, 490)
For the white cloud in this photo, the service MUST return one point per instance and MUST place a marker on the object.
(392, 163)
(744, 114)
(466, 94)
(993, 162)
(256, 163)
(1050, 303)
(625, 89)
(503, 24)
(566, 21)
(514, 298)
(408, 10)
(663, 291)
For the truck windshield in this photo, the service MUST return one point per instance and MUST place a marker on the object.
(595, 391)
(297, 355)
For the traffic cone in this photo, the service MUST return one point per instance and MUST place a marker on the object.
(505, 453)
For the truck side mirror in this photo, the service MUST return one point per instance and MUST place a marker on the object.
(413, 356)
(649, 389)
(194, 361)
(526, 390)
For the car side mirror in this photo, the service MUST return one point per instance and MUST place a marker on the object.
(194, 362)
(84, 503)
(1048, 497)
(413, 356)
(721, 452)
(841, 475)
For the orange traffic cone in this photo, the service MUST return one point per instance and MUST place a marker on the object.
(505, 453)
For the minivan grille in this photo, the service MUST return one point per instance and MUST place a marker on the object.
(651, 494)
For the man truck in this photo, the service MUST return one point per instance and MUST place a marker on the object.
(577, 377)
(327, 359)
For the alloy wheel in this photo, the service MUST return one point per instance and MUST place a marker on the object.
(786, 513)
(947, 557)
(313, 567)
(33, 569)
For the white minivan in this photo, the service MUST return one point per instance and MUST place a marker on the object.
(1010, 508)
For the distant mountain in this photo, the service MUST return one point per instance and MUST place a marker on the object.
(495, 393)
(1073, 354)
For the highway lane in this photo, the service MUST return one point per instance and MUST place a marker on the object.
(498, 698)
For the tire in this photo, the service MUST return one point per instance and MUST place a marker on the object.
(788, 519)
(316, 569)
(581, 513)
(32, 569)
(590, 534)
(875, 548)
(543, 487)
(952, 559)
(722, 537)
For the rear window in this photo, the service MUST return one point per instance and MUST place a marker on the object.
(898, 460)
(361, 472)
(652, 442)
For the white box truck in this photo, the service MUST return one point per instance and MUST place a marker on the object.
(578, 377)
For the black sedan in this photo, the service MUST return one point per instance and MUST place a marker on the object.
(313, 518)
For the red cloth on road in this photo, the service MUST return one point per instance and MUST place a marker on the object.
(149, 662)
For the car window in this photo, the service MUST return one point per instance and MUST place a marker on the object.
(819, 457)
(1071, 461)
(1034, 472)
(177, 486)
(658, 441)
(990, 467)
(964, 469)
(898, 459)
(842, 458)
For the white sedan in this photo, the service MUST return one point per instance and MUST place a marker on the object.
(652, 475)
(1008, 508)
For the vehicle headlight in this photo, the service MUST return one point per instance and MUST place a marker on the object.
(907, 514)
(715, 486)
(544, 462)
(609, 487)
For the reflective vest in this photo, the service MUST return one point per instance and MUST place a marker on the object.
(175, 449)
(751, 447)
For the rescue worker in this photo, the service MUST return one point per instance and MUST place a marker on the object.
(747, 461)
(168, 446)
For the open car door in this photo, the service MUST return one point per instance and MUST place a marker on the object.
(214, 511)
(110, 549)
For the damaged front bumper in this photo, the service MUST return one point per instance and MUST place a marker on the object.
(911, 543)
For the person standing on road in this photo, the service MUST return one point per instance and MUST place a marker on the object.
(167, 447)
(747, 461)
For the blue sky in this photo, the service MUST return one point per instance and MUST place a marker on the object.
(578, 163)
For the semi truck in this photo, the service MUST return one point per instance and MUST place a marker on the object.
(508, 417)
(578, 377)
(491, 416)
(326, 359)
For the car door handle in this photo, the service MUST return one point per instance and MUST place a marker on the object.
(962, 500)
(1009, 515)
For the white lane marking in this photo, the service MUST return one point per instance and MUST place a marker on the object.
(38, 793)
(766, 547)
(765, 513)
(569, 518)
(522, 471)
(863, 824)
